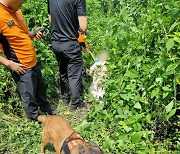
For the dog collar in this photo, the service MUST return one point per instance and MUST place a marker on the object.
(73, 140)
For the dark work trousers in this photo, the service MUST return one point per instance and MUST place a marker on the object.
(69, 57)
(32, 91)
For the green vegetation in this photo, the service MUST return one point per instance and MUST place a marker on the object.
(141, 109)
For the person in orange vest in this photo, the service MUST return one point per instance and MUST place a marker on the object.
(20, 58)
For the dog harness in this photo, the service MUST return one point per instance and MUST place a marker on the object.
(73, 140)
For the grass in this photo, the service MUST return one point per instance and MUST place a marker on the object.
(21, 136)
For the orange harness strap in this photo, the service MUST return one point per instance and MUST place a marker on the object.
(70, 142)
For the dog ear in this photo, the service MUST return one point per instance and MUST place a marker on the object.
(92, 144)
(81, 149)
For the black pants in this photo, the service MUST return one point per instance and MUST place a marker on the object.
(69, 57)
(32, 91)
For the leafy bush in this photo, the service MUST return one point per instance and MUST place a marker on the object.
(141, 111)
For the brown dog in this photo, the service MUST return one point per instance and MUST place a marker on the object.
(58, 132)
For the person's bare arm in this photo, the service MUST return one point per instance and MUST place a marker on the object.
(4, 61)
(16, 67)
(82, 24)
(49, 17)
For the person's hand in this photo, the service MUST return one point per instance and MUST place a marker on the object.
(88, 72)
(17, 67)
(39, 35)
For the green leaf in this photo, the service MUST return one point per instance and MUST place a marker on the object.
(171, 113)
(169, 106)
(172, 67)
(125, 96)
(120, 111)
(148, 118)
(152, 86)
(99, 106)
(127, 129)
(173, 26)
(123, 137)
(178, 79)
(155, 92)
(177, 39)
(159, 80)
(137, 127)
(167, 88)
(108, 142)
(131, 75)
(120, 143)
(136, 137)
(169, 44)
(137, 106)
(165, 94)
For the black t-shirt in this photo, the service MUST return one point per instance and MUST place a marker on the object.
(64, 18)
